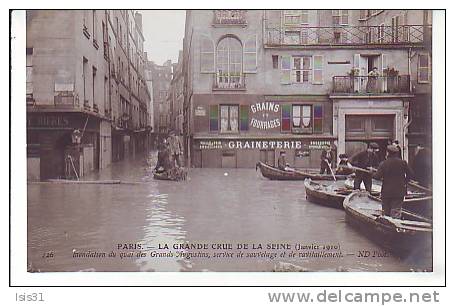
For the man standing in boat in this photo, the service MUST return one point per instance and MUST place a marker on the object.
(326, 160)
(394, 173)
(367, 160)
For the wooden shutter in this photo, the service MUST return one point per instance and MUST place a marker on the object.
(318, 63)
(250, 55)
(317, 119)
(286, 118)
(285, 69)
(213, 118)
(207, 54)
(244, 109)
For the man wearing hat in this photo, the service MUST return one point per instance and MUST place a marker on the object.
(175, 148)
(396, 143)
(326, 160)
(367, 160)
(282, 165)
(343, 165)
(394, 173)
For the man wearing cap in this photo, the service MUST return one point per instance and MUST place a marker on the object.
(394, 173)
(343, 165)
(326, 160)
(367, 160)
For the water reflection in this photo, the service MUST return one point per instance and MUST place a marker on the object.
(212, 206)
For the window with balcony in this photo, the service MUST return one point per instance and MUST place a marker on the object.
(340, 17)
(229, 63)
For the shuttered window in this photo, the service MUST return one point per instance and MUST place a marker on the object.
(318, 61)
(286, 69)
(286, 118)
(423, 68)
(207, 55)
(244, 117)
(317, 119)
(213, 118)
(250, 55)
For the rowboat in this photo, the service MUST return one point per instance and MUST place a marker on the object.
(175, 174)
(415, 200)
(324, 194)
(401, 236)
(273, 173)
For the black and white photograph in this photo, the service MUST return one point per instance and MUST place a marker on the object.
(230, 140)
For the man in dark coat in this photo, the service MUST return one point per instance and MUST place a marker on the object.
(394, 173)
(367, 160)
(396, 143)
(282, 161)
(422, 166)
(326, 160)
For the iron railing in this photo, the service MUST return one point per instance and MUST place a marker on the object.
(226, 81)
(229, 17)
(348, 35)
(371, 84)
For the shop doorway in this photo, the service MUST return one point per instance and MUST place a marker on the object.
(228, 159)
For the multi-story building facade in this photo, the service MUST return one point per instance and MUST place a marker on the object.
(161, 80)
(175, 97)
(80, 77)
(261, 82)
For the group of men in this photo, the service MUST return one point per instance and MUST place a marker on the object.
(169, 152)
(394, 172)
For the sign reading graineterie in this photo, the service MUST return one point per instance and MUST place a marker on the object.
(250, 144)
(265, 115)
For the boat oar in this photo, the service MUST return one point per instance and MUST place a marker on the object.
(410, 183)
(331, 171)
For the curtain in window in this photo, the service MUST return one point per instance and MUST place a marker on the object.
(306, 116)
(234, 118)
(224, 116)
(296, 115)
(229, 62)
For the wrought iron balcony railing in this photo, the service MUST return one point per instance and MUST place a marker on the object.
(371, 84)
(348, 35)
(227, 81)
(229, 17)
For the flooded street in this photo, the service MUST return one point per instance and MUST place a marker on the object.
(219, 208)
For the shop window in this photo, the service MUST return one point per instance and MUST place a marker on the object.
(229, 118)
(423, 75)
(317, 119)
(213, 117)
(286, 118)
(244, 109)
(301, 118)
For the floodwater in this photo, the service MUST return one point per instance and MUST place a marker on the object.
(217, 210)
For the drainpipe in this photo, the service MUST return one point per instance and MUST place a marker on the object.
(409, 69)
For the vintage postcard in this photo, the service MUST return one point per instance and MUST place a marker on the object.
(235, 141)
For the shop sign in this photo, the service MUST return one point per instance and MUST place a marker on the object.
(210, 144)
(200, 111)
(49, 121)
(265, 115)
(319, 144)
(265, 144)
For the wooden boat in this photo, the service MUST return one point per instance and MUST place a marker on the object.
(176, 174)
(401, 236)
(273, 173)
(327, 195)
(415, 200)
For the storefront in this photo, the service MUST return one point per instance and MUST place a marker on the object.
(246, 152)
(49, 135)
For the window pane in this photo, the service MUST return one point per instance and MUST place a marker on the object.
(306, 122)
(234, 118)
(317, 76)
(224, 116)
(423, 59)
(296, 121)
(296, 110)
(423, 74)
(306, 111)
(306, 62)
(297, 63)
(286, 62)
